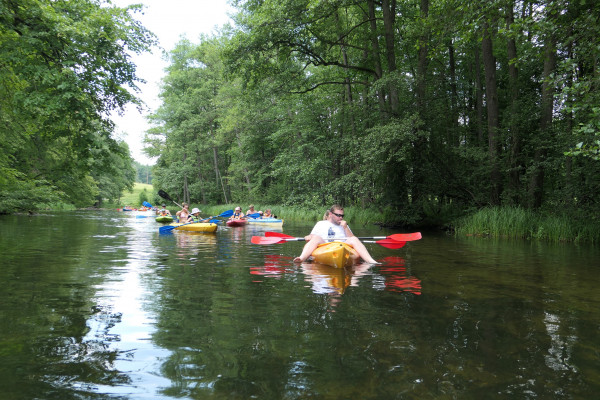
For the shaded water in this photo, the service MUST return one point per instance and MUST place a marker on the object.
(98, 305)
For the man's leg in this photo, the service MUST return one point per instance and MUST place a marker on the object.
(309, 247)
(361, 249)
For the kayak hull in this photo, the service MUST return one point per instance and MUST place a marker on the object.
(196, 227)
(237, 222)
(164, 218)
(274, 222)
(335, 254)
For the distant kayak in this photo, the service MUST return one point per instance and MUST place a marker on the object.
(195, 227)
(335, 254)
(164, 218)
(236, 222)
(274, 222)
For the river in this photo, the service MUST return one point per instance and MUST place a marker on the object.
(99, 305)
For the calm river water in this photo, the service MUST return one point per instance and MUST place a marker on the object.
(99, 305)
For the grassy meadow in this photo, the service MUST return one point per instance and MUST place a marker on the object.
(132, 198)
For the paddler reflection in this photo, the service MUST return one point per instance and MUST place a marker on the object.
(190, 242)
(330, 280)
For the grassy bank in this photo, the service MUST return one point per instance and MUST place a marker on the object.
(132, 198)
(526, 224)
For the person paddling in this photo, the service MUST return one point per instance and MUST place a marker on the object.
(184, 213)
(237, 214)
(163, 212)
(331, 229)
(195, 216)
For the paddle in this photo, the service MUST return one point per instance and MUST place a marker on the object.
(389, 243)
(169, 228)
(399, 237)
(255, 215)
(165, 196)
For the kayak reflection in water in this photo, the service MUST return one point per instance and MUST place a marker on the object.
(334, 227)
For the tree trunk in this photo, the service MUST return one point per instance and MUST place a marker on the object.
(453, 126)
(389, 18)
(536, 186)
(376, 54)
(478, 97)
(422, 62)
(569, 127)
(491, 95)
(201, 180)
(186, 192)
(347, 83)
(218, 176)
(516, 166)
(245, 170)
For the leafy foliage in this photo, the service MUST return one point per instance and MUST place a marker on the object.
(387, 106)
(64, 69)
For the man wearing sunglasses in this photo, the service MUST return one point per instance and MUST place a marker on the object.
(330, 229)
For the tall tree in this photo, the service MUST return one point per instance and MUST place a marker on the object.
(65, 68)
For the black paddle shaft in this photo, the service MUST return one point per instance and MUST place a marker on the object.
(165, 196)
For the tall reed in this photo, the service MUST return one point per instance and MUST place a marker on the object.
(515, 222)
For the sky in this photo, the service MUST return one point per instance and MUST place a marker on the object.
(170, 21)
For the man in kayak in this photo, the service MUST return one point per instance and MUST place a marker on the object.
(163, 212)
(330, 229)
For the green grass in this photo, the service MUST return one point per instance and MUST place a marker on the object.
(513, 222)
(132, 198)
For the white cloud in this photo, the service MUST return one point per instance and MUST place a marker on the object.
(170, 21)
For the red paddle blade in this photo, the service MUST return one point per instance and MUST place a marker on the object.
(266, 240)
(405, 237)
(278, 234)
(391, 244)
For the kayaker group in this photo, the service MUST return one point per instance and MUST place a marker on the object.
(251, 213)
(184, 215)
(332, 228)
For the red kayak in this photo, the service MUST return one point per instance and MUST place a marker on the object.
(236, 222)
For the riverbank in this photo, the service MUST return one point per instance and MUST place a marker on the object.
(512, 222)
(508, 222)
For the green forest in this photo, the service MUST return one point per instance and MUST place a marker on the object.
(423, 111)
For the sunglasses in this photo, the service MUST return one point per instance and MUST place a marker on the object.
(338, 215)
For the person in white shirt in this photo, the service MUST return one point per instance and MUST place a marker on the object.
(331, 229)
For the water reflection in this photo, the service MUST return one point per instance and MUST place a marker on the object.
(391, 275)
(396, 278)
(99, 305)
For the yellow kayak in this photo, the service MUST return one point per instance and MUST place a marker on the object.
(335, 254)
(196, 227)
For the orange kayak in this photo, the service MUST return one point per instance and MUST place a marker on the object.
(335, 254)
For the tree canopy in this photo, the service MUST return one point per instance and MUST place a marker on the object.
(412, 106)
(64, 68)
